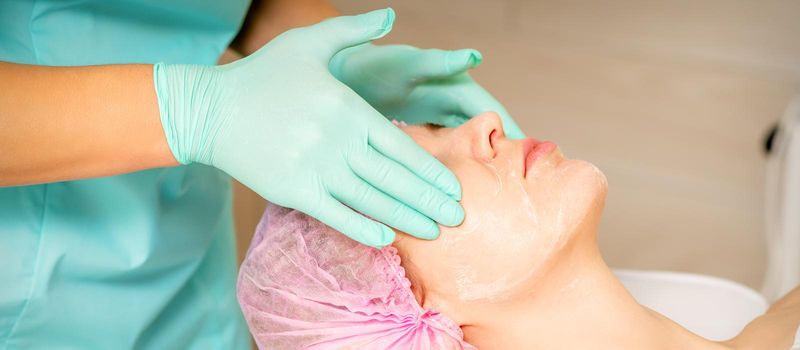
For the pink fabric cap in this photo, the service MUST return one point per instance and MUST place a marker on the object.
(304, 285)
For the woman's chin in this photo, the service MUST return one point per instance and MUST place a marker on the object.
(585, 176)
(566, 197)
(582, 197)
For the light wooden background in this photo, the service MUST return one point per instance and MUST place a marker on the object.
(671, 99)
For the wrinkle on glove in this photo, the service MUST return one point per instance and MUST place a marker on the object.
(304, 285)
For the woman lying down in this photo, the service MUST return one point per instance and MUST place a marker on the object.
(523, 271)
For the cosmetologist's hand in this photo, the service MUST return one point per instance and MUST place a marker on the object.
(419, 85)
(281, 124)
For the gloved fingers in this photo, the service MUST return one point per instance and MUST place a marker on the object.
(396, 145)
(404, 186)
(454, 120)
(433, 102)
(466, 98)
(435, 63)
(332, 35)
(354, 225)
(361, 196)
(479, 100)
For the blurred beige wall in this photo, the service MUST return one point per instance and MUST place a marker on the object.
(670, 99)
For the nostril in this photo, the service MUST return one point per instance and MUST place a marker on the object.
(492, 136)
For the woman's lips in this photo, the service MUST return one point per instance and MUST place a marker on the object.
(534, 149)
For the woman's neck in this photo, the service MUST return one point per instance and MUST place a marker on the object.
(579, 304)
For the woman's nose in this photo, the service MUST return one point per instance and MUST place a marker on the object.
(487, 132)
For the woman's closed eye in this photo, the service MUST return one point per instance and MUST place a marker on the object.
(432, 127)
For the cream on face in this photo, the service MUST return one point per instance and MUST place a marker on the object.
(516, 218)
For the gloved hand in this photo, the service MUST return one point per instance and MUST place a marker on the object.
(419, 85)
(281, 124)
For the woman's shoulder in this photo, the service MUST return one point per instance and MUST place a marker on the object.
(778, 328)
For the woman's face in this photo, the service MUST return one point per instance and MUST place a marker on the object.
(523, 201)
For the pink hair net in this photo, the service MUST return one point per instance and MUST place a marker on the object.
(304, 285)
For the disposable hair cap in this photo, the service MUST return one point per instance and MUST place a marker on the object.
(305, 286)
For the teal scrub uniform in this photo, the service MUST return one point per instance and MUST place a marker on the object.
(142, 260)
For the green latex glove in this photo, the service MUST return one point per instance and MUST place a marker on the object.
(281, 124)
(419, 85)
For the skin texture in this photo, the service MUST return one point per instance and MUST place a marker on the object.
(524, 271)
